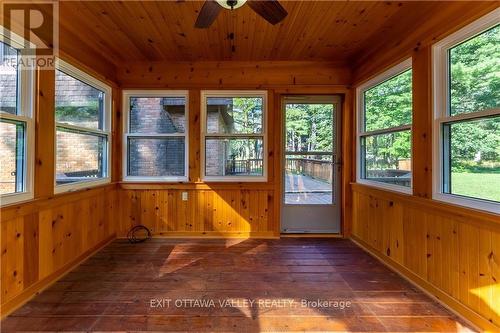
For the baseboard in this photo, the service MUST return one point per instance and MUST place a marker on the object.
(473, 318)
(214, 234)
(36, 288)
(311, 235)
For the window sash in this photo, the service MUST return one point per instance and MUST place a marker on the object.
(230, 177)
(403, 68)
(446, 139)
(104, 132)
(386, 130)
(19, 75)
(442, 112)
(101, 117)
(105, 157)
(24, 186)
(206, 135)
(373, 83)
(25, 92)
(232, 94)
(229, 136)
(362, 160)
(21, 156)
(82, 130)
(127, 95)
(233, 135)
(362, 133)
(155, 178)
(85, 78)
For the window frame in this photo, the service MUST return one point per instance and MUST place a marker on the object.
(127, 94)
(441, 110)
(88, 79)
(204, 134)
(361, 132)
(25, 114)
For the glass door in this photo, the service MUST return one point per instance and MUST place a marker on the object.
(310, 167)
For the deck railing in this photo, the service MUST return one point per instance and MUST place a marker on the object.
(391, 176)
(244, 167)
(319, 169)
(74, 176)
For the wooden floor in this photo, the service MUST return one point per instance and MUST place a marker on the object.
(127, 287)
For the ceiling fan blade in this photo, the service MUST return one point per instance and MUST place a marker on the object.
(208, 14)
(270, 10)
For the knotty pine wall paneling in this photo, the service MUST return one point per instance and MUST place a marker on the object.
(224, 209)
(451, 251)
(43, 238)
(232, 74)
(213, 209)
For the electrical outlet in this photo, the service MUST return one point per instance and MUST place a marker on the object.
(184, 196)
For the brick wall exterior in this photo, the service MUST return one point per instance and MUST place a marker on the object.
(157, 115)
(8, 86)
(147, 157)
(215, 155)
(157, 157)
(7, 158)
(71, 92)
(78, 153)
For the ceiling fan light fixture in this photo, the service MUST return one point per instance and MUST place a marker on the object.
(231, 4)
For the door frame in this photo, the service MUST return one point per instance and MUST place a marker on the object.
(338, 181)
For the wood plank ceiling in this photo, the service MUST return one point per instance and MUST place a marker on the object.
(128, 31)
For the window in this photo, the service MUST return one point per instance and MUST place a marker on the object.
(234, 135)
(384, 129)
(156, 126)
(16, 123)
(83, 124)
(467, 116)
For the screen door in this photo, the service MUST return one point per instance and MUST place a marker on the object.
(311, 168)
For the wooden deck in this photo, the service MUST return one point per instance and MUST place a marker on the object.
(126, 287)
(306, 190)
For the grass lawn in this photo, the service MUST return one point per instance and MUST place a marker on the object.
(479, 185)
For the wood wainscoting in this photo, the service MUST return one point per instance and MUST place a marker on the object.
(43, 239)
(452, 252)
(216, 211)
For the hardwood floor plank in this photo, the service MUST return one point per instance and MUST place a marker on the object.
(284, 285)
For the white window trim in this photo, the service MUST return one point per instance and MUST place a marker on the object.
(234, 93)
(26, 106)
(441, 107)
(92, 81)
(360, 93)
(127, 94)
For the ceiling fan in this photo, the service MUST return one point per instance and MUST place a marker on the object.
(270, 10)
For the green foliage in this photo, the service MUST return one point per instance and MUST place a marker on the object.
(309, 127)
(384, 151)
(389, 104)
(475, 73)
(247, 117)
(475, 142)
(87, 113)
(247, 114)
(474, 86)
